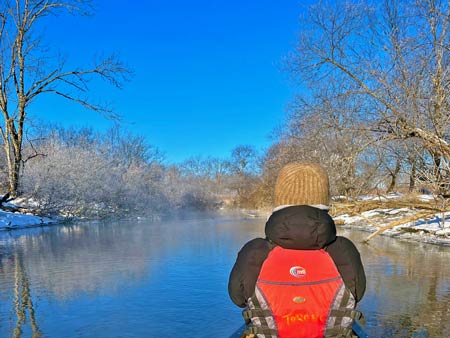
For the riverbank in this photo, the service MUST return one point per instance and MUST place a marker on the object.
(18, 220)
(21, 213)
(412, 218)
(420, 218)
(425, 230)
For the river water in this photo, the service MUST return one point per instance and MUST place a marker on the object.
(169, 279)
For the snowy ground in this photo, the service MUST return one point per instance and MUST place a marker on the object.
(18, 218)
(14, 220)
(431, 228)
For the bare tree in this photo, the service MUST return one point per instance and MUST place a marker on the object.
(245, 167)
(391, 56)
(323, 129)
(244, 159)
(219, 171)
(26, 72)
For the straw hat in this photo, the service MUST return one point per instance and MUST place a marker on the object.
(302, 184)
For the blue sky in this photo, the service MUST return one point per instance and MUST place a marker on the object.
(207, 74)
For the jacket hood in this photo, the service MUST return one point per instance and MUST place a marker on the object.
(301, 227)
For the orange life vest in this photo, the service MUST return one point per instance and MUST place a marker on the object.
(300, 294)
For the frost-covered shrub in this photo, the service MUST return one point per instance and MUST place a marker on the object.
(70, 178)
(83, 173)
(188, 191)
(143, 191)
(85, 180)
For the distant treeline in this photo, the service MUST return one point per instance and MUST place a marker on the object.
(373, 108)
(85, 173)
(81, 172)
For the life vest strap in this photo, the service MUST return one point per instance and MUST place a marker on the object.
(248, 314)
(341, 332)
(260, 330)
(346, 332)
(352, 313)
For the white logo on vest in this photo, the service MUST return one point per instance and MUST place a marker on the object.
(297, 271)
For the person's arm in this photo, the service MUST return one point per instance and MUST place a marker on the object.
(348, 262)
(245, 272)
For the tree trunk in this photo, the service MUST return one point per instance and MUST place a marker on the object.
(13, 151)
(412, 176)
(14, 175)
(394, 175)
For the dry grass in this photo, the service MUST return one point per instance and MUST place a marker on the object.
(354, 208)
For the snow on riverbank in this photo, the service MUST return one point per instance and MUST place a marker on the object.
(421, 225)
(16, 216)
(16, 220)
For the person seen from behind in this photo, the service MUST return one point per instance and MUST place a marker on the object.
(301, 281)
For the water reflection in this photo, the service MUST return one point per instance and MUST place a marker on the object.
(126, 279)
(84, 258)
(408, 288)
(23, 301)
(98, 280)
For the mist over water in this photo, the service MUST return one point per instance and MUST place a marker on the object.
(169, 278)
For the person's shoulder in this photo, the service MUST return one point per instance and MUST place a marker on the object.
(343, 242)
(256, 243)
(342, 247)
(257, 247)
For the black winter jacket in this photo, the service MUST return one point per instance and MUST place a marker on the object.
(298, 227)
